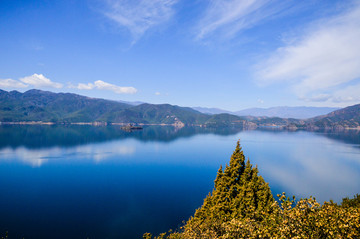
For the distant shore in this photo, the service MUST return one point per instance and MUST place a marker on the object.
(178, 125)
(96, 123)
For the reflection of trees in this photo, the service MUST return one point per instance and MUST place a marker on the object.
(42, 136)
(344, 136)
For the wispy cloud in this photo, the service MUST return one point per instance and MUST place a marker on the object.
(35, 80)
(139, 15)
(319, 65)
(230, 17)
(349, 94)
(39, 80)
(102, 85)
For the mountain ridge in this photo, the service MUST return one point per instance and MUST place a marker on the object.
(345, 118)
(297, 112)
(45, 106)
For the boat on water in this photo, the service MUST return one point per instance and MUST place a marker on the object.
(131, 127)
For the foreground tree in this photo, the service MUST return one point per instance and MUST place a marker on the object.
(239, 193)
(242, 206)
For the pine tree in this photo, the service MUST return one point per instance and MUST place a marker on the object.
(241, 206)
(239, 193)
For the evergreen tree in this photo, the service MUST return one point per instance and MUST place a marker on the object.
(239, 193)
(241, 206)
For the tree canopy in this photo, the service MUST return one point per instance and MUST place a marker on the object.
(241, 206)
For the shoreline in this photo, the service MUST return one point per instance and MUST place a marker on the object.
(96, 123)
(177, 125)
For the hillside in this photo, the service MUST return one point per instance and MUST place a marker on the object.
(211, 111)
(287, 112)
(157, 114)
(348, 117)
(37, 105)
(299, 112)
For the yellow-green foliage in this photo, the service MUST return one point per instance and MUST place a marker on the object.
(239, 193)
(6, 236)
(307, 219)
(241, 206)
(354, 202)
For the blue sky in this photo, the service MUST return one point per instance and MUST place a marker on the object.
(229, 54)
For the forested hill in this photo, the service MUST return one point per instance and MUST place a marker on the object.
(348, 117)
(37, 105)
(299, 112)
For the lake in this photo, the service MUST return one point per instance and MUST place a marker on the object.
(103, 182)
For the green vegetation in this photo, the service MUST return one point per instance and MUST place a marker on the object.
(36, 105)
(6, 236)
(165, 114)
(345, 118)
(45, 136)
(65, 108)
(242, 206)
(224, 120)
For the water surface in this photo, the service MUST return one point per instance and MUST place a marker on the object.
(102, 182)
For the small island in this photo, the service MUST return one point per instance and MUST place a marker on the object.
(131, 127)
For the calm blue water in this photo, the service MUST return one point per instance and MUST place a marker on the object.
(102, 182)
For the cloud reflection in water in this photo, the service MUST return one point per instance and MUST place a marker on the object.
(305, 164)
(95, 152)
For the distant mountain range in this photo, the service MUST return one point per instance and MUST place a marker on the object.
(300, 112)
(348, 117)
(37, 105)
(64, 108)
(212, 111)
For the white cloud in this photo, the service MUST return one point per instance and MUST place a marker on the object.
(35, 80)
(10, 83)
(233, 16)
(157, 93)
(88, 86)
(39, 80)
(321, 62)
(102, 85)
(139, 15)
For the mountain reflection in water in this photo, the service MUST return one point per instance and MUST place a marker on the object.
(103, 182)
